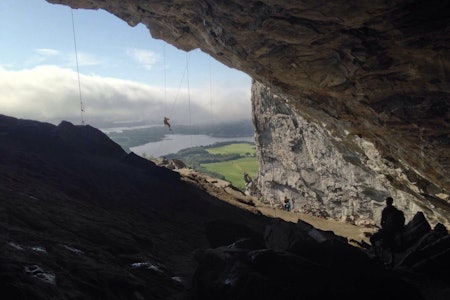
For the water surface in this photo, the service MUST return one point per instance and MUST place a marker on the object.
(173, 143)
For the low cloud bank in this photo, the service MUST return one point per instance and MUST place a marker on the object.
(51, 94)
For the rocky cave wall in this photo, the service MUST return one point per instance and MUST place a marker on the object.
(344, 178)
(371, 76)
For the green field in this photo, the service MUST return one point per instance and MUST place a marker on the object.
(241, 148)
(233, 170)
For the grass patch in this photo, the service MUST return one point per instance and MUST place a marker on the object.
(228, 161)
(233, 170)
(239, 148)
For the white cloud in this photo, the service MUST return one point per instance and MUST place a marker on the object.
(40, 56)
(50, 93)
(145, 57)
(47, 56)
(47, 52)
(84, 59)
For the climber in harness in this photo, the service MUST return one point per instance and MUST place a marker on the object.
(166, 122)
(392, 222)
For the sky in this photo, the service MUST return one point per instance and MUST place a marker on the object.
(125, 75)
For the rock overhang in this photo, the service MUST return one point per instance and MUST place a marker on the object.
(375, 69)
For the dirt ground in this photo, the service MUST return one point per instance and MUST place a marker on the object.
(224, 191)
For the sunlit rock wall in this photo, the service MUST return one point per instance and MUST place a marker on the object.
(325, 175)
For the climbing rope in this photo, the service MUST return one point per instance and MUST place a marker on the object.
(172, 105)
(210, 83)
(181, 83)
(165, 78)
(189, 93)
(78, 70)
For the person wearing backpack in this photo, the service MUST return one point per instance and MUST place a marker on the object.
(392, 222)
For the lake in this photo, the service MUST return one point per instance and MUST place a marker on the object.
(121, 129)
(173, 143)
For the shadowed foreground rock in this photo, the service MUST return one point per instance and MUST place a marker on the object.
(302, 262)
(82, 219)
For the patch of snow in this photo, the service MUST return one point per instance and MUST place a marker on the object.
(146, 265)
(29, 196)
(72, 249)
(16, 246)
(229, 281)
(37, 272)
(39, 249)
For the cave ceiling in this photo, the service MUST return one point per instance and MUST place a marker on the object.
(379, 69)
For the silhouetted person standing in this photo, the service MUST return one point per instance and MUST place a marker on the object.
(392, 221)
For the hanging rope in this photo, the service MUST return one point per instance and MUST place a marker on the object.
(165, 90)
(165, 78)
(179, 88)
(189, 93)
(78, 70)
(210, 84)
(168, 111)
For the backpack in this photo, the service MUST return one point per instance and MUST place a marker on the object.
(395, 221)
(398, 220)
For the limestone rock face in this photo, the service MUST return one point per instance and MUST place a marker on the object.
(324, 175)
(370, 75)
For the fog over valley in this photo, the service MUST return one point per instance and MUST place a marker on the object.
(51, 94)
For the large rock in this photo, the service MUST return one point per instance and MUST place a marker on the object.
(371, 73)
(339, 271)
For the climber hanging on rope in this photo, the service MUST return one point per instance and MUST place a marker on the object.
(166, 122)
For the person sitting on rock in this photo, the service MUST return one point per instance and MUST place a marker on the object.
(392, 222)
(287, 204)
(247, 178)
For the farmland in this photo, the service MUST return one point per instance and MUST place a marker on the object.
(228, 161)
